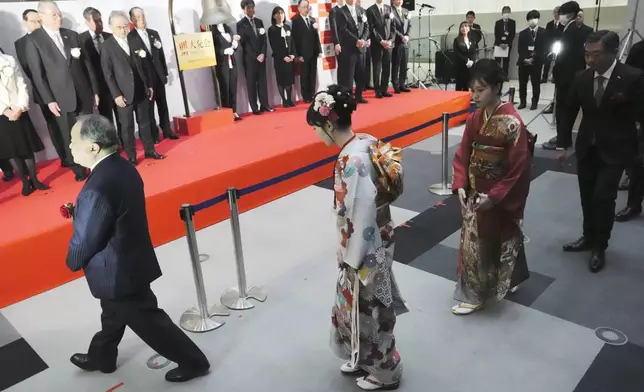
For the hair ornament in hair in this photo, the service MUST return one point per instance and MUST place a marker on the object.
(345, 105)
(324, 104)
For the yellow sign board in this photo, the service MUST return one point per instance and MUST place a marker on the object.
(195, 50)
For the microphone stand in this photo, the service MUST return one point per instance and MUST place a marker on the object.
(598, 3)
(418, 68)
(431, 79)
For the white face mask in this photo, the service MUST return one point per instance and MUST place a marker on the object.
(533, 22)
(506, 16)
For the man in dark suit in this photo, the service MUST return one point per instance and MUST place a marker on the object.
(253, 42)
(567, 64)
(128, 78)
(586, 30)
(368, 83)
(308, 48)
(143, 38)
(333, 15)
(553, 34)
(476, 34)
(92, 43)
(400, 53)
(112, 245)
(353, 32)
(635, 173)
(383, 34)
(505, 29)
(611, 96)
(62, 74)
(225, 46)
(531, 54)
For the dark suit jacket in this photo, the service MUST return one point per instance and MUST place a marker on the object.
(476, 34)
(401, 26)
(155, 56)
(586, 31)
(500, 30)
(111, 241)
(612, 123)
(636, 56)
(333, 15)
(59, 79)
(553, 34)
(381, 25)
(125, 75)
(253, 44)
(21, 55)
(222, 44)
(306, 40)
(95, 58)
(348, 32)
(525, 42)
(572, 58)
(463, 53)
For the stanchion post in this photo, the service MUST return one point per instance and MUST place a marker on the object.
(238, 298)
(512, 92)
(443, 188)
(198, 319)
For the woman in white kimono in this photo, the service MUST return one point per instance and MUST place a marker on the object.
(367, 297)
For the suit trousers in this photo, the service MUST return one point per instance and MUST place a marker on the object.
(564, 136)
(55, 134)
(381, 61)
(227, 78)
(65, 122)
(399, 56)
(351, 68)
(308, 77)
(546, 70)
(255, 73)
(598, 184)
(367, 70)
(107, 109)
(504, 62)
(161, 102)
(141, 313)
(126, 118)
(532, 73)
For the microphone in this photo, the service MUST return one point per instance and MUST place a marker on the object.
(450, 27)
(423, 5)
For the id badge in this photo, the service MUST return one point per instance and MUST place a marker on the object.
(531, 48)
(503, 38)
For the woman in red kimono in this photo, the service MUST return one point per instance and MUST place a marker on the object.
(492, 180)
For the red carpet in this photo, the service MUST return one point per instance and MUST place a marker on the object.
(34, 237)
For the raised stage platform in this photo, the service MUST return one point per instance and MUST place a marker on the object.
(275, 149)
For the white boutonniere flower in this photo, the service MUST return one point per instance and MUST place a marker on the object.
(262, 31)
(391, 15)
(157, 44)
(236, 37)
(288, 33)
(315, 25)
(364, 18)
(141, 53)
(75, 52)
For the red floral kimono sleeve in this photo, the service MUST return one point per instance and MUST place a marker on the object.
(462, 158)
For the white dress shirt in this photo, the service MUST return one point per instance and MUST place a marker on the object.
(57, 38)
(101, 160)
(354, 14)
(145, 37)
(123, 44)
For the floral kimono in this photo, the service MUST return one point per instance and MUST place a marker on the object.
(367, 297)
(493, 158)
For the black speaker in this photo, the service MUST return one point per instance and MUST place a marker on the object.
(409, 4)
(445, 66)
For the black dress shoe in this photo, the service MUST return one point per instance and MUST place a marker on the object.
(236, 117)
(183, 375)
(597, 260)
(257, 112)
(627, 214)
(170, 135)
(522, 106)
(268, 109)
(378, 95)
(582, 244)
(154, 155)
(533, 106)
(387, 95)
(405, 90)
(396, 91)
(27, 188)
(84, 362)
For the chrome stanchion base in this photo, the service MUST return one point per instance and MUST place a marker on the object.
(192, 321)
(439, 189)
(233, 300)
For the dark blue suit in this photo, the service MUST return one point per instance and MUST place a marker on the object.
(112, 244)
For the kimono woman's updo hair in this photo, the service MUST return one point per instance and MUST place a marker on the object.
(488, 72)
(336, 104)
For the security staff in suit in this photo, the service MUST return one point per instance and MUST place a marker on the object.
(383, 34)
(567, 64)
(127, 75)
(112, 245)
(611, 95)
(143, 38)
(400, 53)
(62, 74)
(92, 43)
(505, 30)
(553, 33)
(308, 48)
(531, 54)
(225, 46)
(353, 31)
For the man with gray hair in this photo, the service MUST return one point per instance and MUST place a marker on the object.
(112, 245)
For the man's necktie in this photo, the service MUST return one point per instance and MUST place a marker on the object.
(59, 43)
(599, 92)
(252, 24)
(306, 20)
(98, 44)
(534, 34)
(125, 46)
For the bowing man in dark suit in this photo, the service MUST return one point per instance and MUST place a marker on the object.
(353, 32)
(532, 51)
(281, 39)
(112, 245)
(253, 41)
(143, 38)
(465, 52)
(225, 45)
(399, 55)
(611, 96)
(62, 74)
(553, 34)
(127, 75)
(308, 48)
(383, 34)
(92, 42)
(505, 29)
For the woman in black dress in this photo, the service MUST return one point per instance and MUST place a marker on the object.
(279, 35)
(465, 52)
(18, 138)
